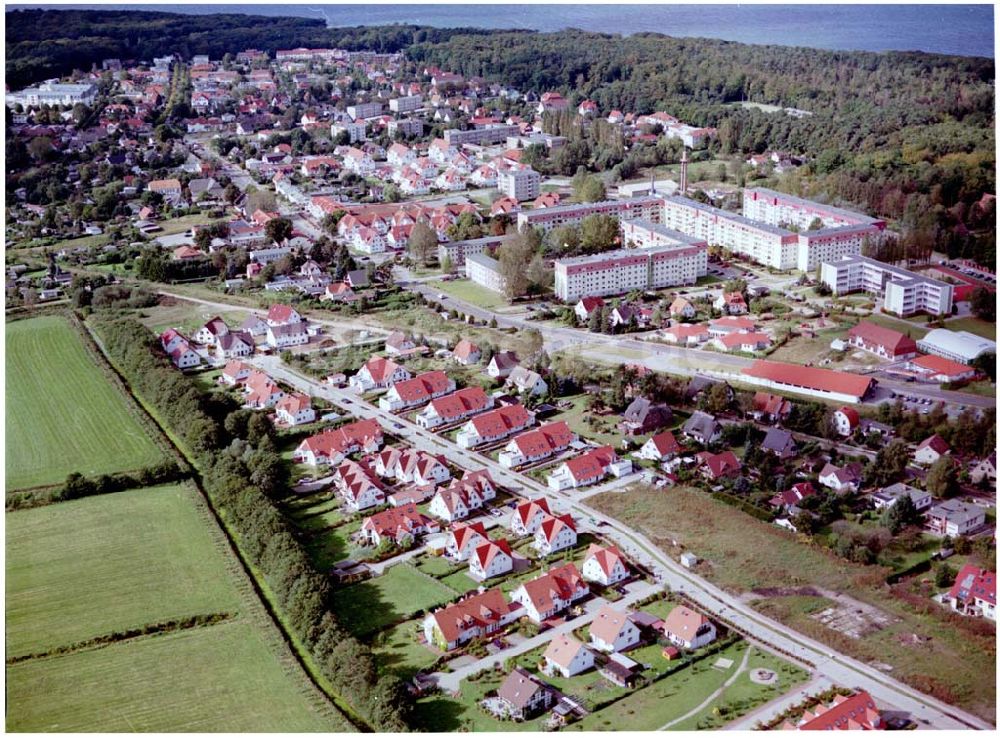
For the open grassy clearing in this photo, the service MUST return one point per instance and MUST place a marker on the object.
(62, 414)
(741, 554)
(398, 650)
(186, 316)
(102, 564)
(369, 606)
(470, 292)
(222, 678)
(973, 325)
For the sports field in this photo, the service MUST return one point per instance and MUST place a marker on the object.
(62, 414)
(217, 678)
(104, 564)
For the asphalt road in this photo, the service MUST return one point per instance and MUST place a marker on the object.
(828, 663)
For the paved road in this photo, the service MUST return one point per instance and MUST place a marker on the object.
(778, 705)
(450, 681)
(661, 357)
(828, 663)
(712, 697)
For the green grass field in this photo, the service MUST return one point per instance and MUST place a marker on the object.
(102, 564)
(973, 324)
(219, 678)
(470, 292)
(62, 414)
(369, 606)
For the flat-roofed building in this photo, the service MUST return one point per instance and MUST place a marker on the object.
(459, 251)
(520, 184)
(624, 270)
(903, 292)
(545, 219)
(485, 271)
(487, 136)
(960, 346)
(406, 104)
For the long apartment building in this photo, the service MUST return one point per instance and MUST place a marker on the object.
(458, 251)
(406, 104)
(663, 258)
(903, 292)
(545, 219)
(485, 270)
(488, 136)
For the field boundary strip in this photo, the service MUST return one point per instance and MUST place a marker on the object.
(262, 610)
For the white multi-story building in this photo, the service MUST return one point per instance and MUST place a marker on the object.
(777, 208)
(406, 104)
(406, 126)
(903, 292)
(53, 93)
(485, 271)
(487, 136)
(520, 184)
(545, 219)
(356, 130)
(676, 259)
(360, 111)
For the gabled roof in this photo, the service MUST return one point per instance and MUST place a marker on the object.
(546, 439)
(463, 532)
(853, 418)
(777, 440)
(794, 495)
(380, 369)
(894, 342)
(465, 349)
(553, 525)
(558, 583)
(489, 550)
(608, 624)
(519, 688)
(501, 420)
(665, 443)
(460, 402)
(936, 443)
(280, 313)
(527, 510)
(422, 386)
(562, 650)
(605, 556)
(478, 610)
(720, 464)
(684, 622)
(591, 464)
(857, 712)
(975, 583)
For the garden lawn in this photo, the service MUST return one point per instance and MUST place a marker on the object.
(973, 324)
(439, 713)
(63, 415)
(399, 651)
(399, 593)
(90, 567)
(221, 678)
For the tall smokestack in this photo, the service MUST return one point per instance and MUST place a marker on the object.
(684, 172)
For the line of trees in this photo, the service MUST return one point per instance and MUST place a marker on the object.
(245, 476)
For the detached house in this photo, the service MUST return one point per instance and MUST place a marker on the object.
(841, 479)
(494, 426)
(731, 303)
(567, 656)
(661, 447)
(556, 533)
(526, 381)
(398, 343)
(768, 408)
(279, 314)
(954, 518)
(490, 559)
(719, 466)
(398, 524)
(586, 306)
(331, 446)
(588, 468)
(466, 353)
(472, 617)
(523, 696)
(604, 565)
(612, 631)
(378, 373)
(703, 428)
(930, 450)
(295, 409)
(464, 539)
(846, 420)
(688, 629)
(287, 334)
(502, 364)
(209, 333)
(975, 592)
(532, 446)
(642, 417)
(551, 593)
(528, 516)
(454, 407)
(780, 443)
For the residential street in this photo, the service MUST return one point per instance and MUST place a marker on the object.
(834, 666)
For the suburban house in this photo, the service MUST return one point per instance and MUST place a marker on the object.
(747, 342)
(604, 565)
(398, 343)
(474, 616)
(411, 466)
(953, 518)
(702, 427)
(295, 409)
(179, 349)
(398, 524)
(768, 408)
(857, 712)
(688, 629)
(378, 373)
(526, 381)
(567, 656)
(462, 496)
(209, 333)
(358, 485)
(841, 479)
(780, 443)
(587, 468)
(236, 372)
(454, 407)
(331, 446)
(791, 497)
(889, 496)
(287, 334)
(494, 425)
(254, 325)
(719, 466)
(463, 539)
(279, 314)
(984, 469)
(234, 345)
(686, 334)
(490, 559)
(466, 352)
(535, 445)
(681, 307)
(974, 592)
(939, 369)
(528, 516)
(846, 420)
(661, 447)
(551, 593)
(642, 417)
(502, 364)
(731, 303)
(416, 391)
(883, 342)
(556, 533)
(586, 306)
(523, 696)
(612, 630)
(930, 450)
(261, 391)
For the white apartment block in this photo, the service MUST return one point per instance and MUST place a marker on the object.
(53, 93)
(618, 272)
(360, 111)
(644, 208)
(488, 136)
(357, 131)
(520, 184)
(485, 271)
(406, 126)
(458, 251)
(903, 292)
(406, 104)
